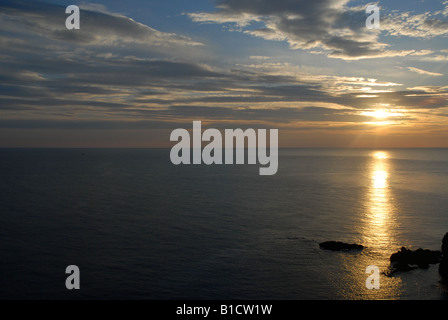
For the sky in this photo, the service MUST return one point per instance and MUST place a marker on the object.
(136, 70)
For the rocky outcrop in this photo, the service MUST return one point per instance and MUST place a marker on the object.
(339, 246)
(420, 257)
(405, 259)
(443, 266)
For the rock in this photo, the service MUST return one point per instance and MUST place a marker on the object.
(443, 266)
(445, 245)
(443, 270)
(405, 259)
(339, 246)
(420, 257)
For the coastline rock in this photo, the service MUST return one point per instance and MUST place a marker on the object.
(420, 257)
(443, 270)
(339, 246)
(443, 266)
(406, 260)
(445, 245)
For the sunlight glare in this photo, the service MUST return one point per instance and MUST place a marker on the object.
(381, 114)
(380, 155)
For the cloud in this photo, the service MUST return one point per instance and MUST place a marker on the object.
(329, 25)
(133, 89)
(120, 74)
(424, 72)
(437, 58)
(431, 89)
(98, 27)
(220, 117)
(423, 25)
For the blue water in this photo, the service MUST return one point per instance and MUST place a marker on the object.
(139, 227)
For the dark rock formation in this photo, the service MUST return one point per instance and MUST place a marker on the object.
(445, 245)
(339, 246)
(443, 270)
(406, 260)
(420, 257)
(443, 266)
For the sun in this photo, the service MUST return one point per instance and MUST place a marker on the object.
(384, 116)
(379, 114)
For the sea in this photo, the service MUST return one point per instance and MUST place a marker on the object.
(140, 228)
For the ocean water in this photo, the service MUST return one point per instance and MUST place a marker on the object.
(139, 227)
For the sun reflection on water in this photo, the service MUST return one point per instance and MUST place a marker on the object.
(378, 228)
(379, 221)
(379, 206)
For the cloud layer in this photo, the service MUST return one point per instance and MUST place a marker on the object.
(119, 74)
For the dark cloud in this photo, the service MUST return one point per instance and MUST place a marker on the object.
(304, 24)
